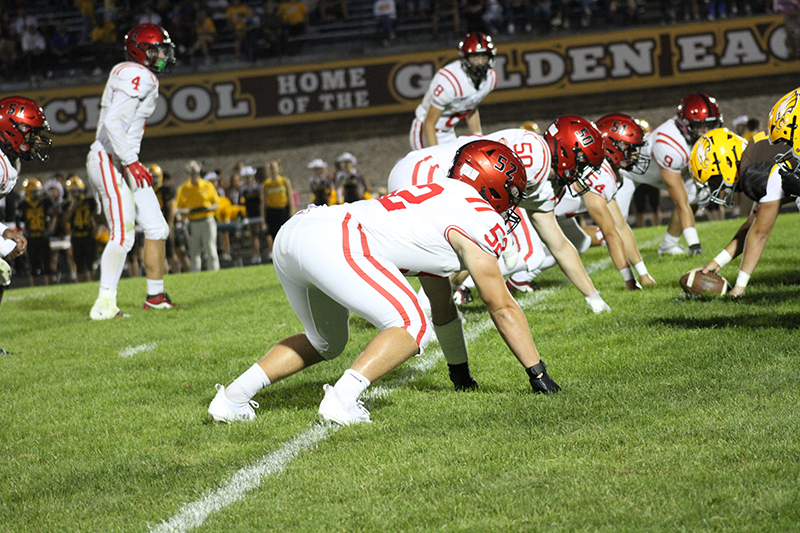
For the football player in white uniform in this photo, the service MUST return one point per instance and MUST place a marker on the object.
(353, 257)
(123, 182)
(22, 124)
(454, 94)
(668, 148)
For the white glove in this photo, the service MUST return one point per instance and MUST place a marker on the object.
(597, 304)
(510, 257)
(5, 274)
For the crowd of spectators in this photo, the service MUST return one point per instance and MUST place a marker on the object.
(65, 36)
(217, 219)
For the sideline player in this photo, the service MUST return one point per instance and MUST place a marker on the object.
(128, 101)
(455, 92)
(726, 163)
(668, 147)
(22, 124)
(354, 257)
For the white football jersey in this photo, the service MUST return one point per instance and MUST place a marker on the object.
(409, 227)
(129, 99)
(666, 148)
(8, 174)
(432, 164)
(602, 182)
(453, 92)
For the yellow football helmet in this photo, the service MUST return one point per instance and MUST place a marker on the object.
(158, 175)
(33, 189)
(75, 186)
(714, 163)
(531, 126)
(783, 124)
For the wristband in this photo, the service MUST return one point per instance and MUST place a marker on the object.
(627, 273)
(742, 279)
(641, 268)
(723, 258)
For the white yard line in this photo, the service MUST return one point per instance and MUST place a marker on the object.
(192, 515)
(133, 350)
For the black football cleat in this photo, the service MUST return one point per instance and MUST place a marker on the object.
(461, 378)
(541, 381)
(695, 249)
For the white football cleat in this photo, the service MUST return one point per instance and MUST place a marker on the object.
(104, 309)
(222, 409)
(676, 249)
(331, 409)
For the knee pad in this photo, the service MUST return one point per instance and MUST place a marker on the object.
(159, 232)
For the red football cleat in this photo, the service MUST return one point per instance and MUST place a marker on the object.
(158, 301)
(521, 286)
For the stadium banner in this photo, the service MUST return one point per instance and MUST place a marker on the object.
(569, 65)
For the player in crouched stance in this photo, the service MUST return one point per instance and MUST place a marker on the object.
(726, 163)
(352, 257)
(128, 101)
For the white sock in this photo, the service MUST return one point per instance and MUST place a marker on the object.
(247, 385)
(111, 264)
(690, 235)
(108, 293)
(669, 240)
(350, 386)
(155, 286)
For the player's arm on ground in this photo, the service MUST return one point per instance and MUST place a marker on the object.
(765, 216)
(504, 310)
(429, 126)
(734, 247)
(677, 191)
(563, 251)
(597, 206)
(631, 246)
(474, 122)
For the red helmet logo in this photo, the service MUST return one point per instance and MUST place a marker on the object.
(22, 122)
(495, 171)
(150, 46)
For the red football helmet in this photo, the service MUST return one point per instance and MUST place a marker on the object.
(577, 151)
(698, 114)
(477, 43)
(496, 172)
(623, 137)
(150, 45)
(22, 122)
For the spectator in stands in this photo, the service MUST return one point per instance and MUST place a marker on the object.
(149, 16)
(252, 198)
(321, 184)
(197, 202)
(62, 44)
(87, 10)
(494, 17)
(217, 10)
(8, 52)
(34, 48)
(385, 13)
(180, 25)
(417, 9)
(350, 184)
(104, 39)
(294, 16)
(205, 34)
(446, 12)
(23, 20)
(328, 10)
(237, 15)
(278, 202)
(474, 11)
(272, 29)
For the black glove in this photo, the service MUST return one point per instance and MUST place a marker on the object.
(461, 378)
(790, 181)
(542, 384)
(695, 249)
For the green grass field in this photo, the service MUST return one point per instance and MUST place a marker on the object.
(675, 414)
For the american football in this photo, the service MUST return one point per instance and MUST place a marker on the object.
(697, 283)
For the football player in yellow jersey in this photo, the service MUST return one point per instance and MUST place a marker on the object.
(80, 211)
